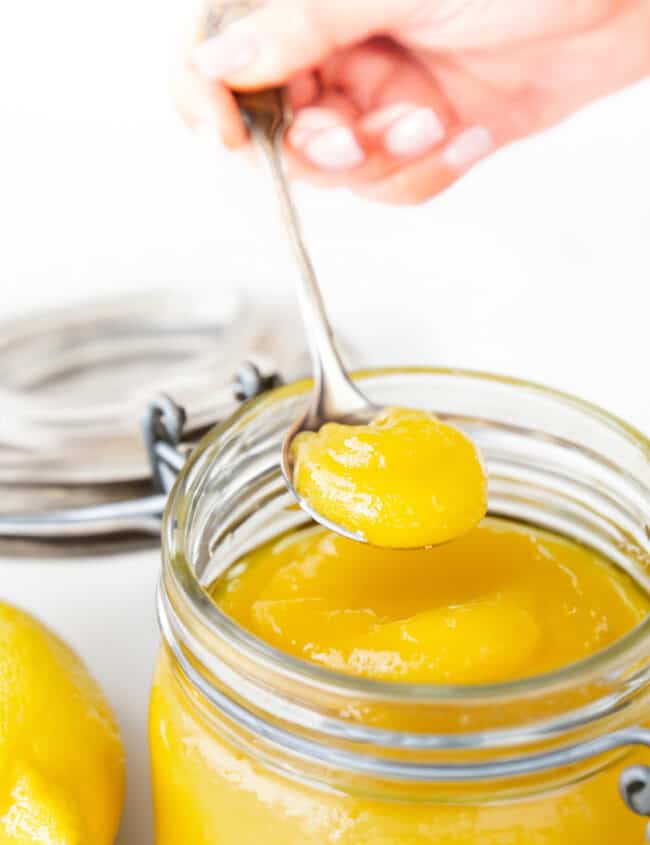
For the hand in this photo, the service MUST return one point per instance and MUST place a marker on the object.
(398, 98)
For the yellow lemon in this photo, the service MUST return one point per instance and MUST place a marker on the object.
(61, 758)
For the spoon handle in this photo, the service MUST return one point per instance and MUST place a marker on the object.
(266, 115)
(334, 394)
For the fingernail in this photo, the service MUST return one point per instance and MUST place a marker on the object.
(334, 149)
(414, 132)
(309, 121)
(223, 55)
(468, 148)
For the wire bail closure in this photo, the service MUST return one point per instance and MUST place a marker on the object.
(162, 430)
(634, 786)
(164, 422)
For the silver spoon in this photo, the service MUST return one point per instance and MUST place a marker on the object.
(334, 398)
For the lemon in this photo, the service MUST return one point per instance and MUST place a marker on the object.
(61, 758)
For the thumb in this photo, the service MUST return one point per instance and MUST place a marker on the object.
(284, 37)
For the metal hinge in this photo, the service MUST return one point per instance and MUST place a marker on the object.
(634, 786)
(163, 424)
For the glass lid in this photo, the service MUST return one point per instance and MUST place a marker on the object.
(75, 385)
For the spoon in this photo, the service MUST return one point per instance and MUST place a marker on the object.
(334, 397)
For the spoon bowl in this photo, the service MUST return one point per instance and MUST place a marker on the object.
(362, 416)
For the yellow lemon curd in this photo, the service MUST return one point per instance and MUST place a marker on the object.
(404, 480)
(501, 603)
(61, 758)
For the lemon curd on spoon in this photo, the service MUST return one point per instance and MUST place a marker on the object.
(405, 480)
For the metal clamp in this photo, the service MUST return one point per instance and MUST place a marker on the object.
(162, 428)
(251, 382)
(634, 786)
(163, 424)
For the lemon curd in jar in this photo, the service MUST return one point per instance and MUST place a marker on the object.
(501, 603)
(504, 602)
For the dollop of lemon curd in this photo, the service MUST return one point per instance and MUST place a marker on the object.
(61, 758)
(503, 602)
(405, 480)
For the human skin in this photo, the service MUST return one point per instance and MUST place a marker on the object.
(396, 99)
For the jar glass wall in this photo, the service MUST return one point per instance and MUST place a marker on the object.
(250, 745)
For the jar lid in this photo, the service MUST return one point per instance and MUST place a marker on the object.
(75, 384)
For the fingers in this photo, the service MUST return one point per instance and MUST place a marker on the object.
(205, 105)
(284, 37)
(324, 135)
(377, 109)
(405, 112)
(303, 90)
(209, 108)
(418, 133)
(432, 174)
(279, 42)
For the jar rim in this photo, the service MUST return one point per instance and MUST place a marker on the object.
(609, 659)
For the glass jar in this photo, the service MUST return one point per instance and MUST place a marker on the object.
(252, 746)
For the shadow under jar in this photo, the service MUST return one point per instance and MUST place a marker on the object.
(251, 746)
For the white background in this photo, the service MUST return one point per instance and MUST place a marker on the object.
(537, 265)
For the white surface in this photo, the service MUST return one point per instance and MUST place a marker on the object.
(537, 265)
